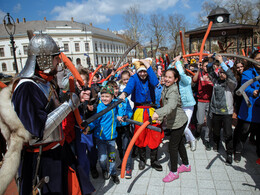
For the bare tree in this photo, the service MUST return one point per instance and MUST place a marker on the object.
(175, 24)
(157, 29)
(206, 8)
(133, 21)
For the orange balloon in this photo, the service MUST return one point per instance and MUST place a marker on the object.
(72, 68)
(130, 146)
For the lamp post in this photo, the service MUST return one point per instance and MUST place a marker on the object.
(10, 29)
(151, 48)
(20, 54)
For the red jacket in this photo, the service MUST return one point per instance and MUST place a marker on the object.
(205, 87)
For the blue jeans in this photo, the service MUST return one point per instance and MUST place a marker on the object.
(107, 151)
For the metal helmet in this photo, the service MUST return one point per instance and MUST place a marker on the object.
(41, 49)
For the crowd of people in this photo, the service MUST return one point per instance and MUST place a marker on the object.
(186, 99)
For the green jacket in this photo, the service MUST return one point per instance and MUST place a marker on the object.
(172, 108)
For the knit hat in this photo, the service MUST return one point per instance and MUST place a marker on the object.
(107, 89)
(139, 66)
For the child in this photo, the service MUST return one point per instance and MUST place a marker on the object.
(176, 121)
(221, 104)
(105, 134)
(125, 76)
(124, 131)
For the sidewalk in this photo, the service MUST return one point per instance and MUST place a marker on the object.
(209, 175)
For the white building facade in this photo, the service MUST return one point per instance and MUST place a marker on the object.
(84, 44)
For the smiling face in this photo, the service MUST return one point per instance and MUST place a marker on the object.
(106, 98)
(142, 74)
(125, 79)
(240, 68)
(170, 78)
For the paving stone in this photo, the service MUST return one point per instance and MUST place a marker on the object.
(171, 190)
(205, 184)
(207, 191)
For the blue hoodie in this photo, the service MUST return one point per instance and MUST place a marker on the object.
(105, 126)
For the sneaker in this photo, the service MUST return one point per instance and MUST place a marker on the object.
(170, 177)
(106, 175)
(141, 165)
(184, 168)
(193, 145)
(115, 179)
(237, 157)
(258, 161)
(187, 145)
(94, 173)
(128, 174)
(215, 147)
(207, 146)
(229, 159)
(156, 165)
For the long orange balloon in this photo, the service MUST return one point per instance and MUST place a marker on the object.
(129, 148)
(116, 71)
(243, 52)
(189, 71)
(182, 45)
(92, 76)
(76, 111)
(204, 40)
(72, 68)
(194, 54)
(2, 85)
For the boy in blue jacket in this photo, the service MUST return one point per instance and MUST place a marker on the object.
(123, 129)
(105, 134)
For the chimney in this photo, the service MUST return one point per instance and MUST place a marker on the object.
(90, 24)
(72, 19)
(45, 19)
(24, 20)
(17, 20)
(107, 29)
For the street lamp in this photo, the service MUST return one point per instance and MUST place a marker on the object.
(10, 29)
(20, 54)
(151, 47)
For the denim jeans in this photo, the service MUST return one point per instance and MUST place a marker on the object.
(107, 151)
(122, 141)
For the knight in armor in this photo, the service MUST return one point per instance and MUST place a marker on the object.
(44, 162)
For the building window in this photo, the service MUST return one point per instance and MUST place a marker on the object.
(104, 47)
(11, 51)
(77, 47)
(107, 47)
(86, 46)
(105, 59)
(101, 60)
(66, 47)
(96, 47)
(117, 49)
(100, 45)
(25, 50)
(4, 67)
(2, 52)
(14, 66)
(113, 48)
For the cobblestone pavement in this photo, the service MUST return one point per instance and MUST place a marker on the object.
(209, 175)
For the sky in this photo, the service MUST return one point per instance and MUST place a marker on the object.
(101, 13)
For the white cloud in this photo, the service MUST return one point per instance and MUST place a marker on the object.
(17, 8)
(100, 11)
(185, 3)
(2, 15)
